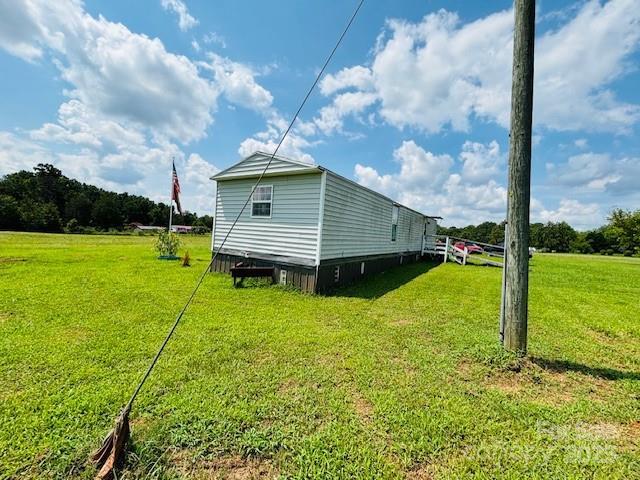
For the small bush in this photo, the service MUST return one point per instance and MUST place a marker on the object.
(167, 243)
(609, 251)
(72, 226)
(628, 253)
(603, 252)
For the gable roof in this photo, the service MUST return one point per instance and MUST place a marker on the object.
(254, 165)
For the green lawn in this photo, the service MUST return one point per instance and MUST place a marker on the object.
(397, 376)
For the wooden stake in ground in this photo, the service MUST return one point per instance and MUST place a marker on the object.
(517, 253)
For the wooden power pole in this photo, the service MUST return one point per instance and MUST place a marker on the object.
(519, 187)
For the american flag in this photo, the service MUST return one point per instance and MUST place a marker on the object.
(175, 191)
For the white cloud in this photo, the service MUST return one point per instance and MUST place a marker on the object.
(358, 76)
(440, 73)
(597, 172)
(425, 182)
(19, 32)
(130, 101)
(19, 154)
(80, 125)
(581, 143)
(195, 45)
(579, 215)
(294, 145)
(481, 162)
(122, 75)
(351, 103)
(237, 82)
(185, 20)
(213, 38)
(197, 174)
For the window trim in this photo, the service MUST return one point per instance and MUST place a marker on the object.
(395, 215)
(270, 202)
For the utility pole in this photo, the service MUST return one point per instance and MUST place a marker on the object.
(519, 187)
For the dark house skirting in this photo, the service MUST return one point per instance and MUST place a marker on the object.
(323, 278)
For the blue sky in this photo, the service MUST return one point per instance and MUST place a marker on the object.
(415, 103)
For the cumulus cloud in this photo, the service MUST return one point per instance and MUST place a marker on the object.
(185, 20)
(237, 82)
(440, 72)
(17, 153)
(426, 181)
(481, 162)
(123, 75)
(294, 146)
(359, 77)
(130, 102)
(597, 172)
(19, 31)
(331, 116)
(577, 214)
(80, 125)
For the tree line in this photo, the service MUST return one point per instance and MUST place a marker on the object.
(47, 201)
(621, 234)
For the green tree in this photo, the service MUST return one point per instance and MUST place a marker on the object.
(79, 207)
(9, 213)
(106, 212)
(597, 240)
(40, 217)
(580, 244)
(535, 234)
(557, 236)
(625, 225)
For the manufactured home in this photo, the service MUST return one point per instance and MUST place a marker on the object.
(316, 228)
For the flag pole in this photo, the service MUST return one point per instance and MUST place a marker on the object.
(173, 159)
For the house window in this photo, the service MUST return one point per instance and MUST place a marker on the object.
(261, 201)
(394, 223)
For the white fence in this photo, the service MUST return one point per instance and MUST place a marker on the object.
(491, 255)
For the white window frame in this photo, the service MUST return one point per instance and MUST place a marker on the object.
(270, 202)
(395, 214)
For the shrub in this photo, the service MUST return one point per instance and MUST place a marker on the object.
(628, 253)
(603, 252)
(72, 226)
(609, 251)
(167, 243)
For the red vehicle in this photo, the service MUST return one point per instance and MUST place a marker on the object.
(471, 247)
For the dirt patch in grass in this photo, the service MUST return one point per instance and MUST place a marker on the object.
(228, 468)
(288, 385)
(401, 322)
(625, 436)
(546, 386)
(602, 430)
(420, 472)
(363, 407)
(12, 260)
(630, 435)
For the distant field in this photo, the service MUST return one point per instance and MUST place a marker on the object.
(399, 376)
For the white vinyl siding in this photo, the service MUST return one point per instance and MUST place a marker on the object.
(291, 230)
(358, 222)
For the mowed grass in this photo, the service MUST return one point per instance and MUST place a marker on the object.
(398, 376)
